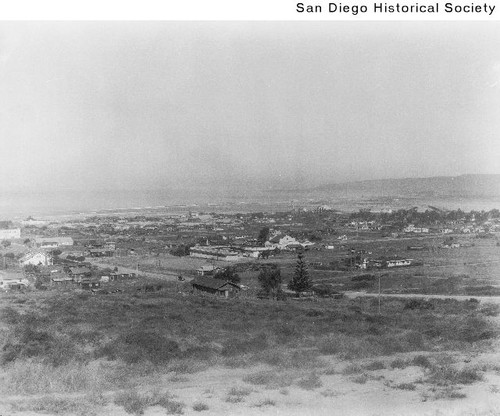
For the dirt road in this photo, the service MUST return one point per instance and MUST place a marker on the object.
(487, 299)
(169, 276)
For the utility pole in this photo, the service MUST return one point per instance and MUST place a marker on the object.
(379, 277)
(379, 291)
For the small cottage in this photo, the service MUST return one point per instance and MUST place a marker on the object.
(215, 286)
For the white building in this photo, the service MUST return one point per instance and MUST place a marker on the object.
(281, 242)
(399, 262)
(214, 253)
(10, 234)
(53, 242)
(36, 259)
(418, 230)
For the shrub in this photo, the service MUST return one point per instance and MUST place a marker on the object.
(141, 345)
(421, 361)
(375, 365)
(260, 378)
(239, 391)
(136, 403)
(310, 382)
(35, 377)
(132, 402)
(406, 386)
(270, 379)
(446, 375)
(199, 406)
(56, 405)
(241, 346)
(419, 304)
(361, 379)
(352, 369)
(399, 363)
(265, 402)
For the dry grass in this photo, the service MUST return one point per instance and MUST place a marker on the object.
(34, 377)
(310, 382)
(270, 379)
(77, 343)
(135, 402)
(405, 386)
(448, 375)
(89, 405)
(200, 407)
(265, 403)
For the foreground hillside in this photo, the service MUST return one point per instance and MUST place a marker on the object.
(171, 351)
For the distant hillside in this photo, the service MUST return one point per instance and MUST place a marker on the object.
(464, 186)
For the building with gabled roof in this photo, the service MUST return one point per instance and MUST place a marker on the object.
(215, 286)
(53, 242)
(36, 258)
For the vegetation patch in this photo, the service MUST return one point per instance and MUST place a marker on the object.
(310, 382)
(200, 406)
(448, 375)
(360, 379)
(136, 403)
(265, 403)
(270, 379)
(406, 386)
(375, 365)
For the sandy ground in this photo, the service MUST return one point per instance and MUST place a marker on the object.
(339, 394)
(378, 393)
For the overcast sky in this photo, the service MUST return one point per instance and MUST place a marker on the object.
(149, 105)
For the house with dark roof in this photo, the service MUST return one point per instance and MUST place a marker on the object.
(215, 286)
(80, 274)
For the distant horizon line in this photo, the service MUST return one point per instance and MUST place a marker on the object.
(265, 188)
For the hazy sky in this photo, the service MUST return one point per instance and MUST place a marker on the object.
(106, 105)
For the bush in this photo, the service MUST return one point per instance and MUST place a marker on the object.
(270, 379)
(375, 365)
(241, 346)
(363, 278)
(140, 345)
(361, 379)
(310, 382)
(352, 369)
(35, 377)
(265, 402)
(199, 406)
(136, 403)
(421, 361)
(446, 375)
(419, 304)
(132, 402)
(57, 405)
(406, 386)
(399, 363)
(239, 391)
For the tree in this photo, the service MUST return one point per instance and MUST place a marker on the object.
(263, 236)
(6, 243)
(270, 281)
(301, 281)
(229, 274)
(265, 254)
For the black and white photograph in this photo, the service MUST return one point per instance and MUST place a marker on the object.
(262, 218)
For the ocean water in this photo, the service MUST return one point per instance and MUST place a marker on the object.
(19, 205)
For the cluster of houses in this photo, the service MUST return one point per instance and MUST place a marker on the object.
(237, 252)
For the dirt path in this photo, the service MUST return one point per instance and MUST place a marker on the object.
(487, 299)
(169, 276)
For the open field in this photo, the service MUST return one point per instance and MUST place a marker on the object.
(68, 352)
(472, 270)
